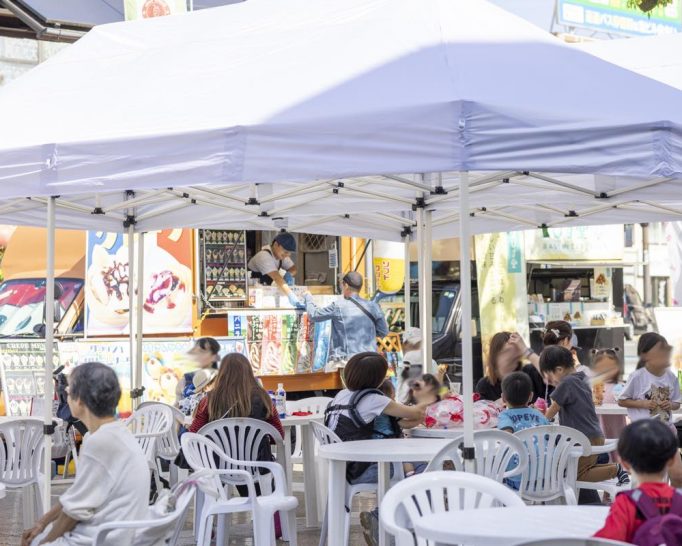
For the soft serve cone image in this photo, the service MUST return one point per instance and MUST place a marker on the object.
(107, 286)
(167, 290)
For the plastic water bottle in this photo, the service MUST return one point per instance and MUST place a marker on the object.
(281, 401)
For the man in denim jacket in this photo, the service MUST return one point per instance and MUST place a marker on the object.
(356, 322)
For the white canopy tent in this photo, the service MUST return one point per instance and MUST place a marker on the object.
(269, 113)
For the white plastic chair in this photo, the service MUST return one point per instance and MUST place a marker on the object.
(495, 450)
(240, 439)
(156, 529)
(168, 446)
(326, 436)
(21, 450)
(438, 492)
(202, 454)
(549, 450)
(315, 405)
(608, 486)
(149, 425)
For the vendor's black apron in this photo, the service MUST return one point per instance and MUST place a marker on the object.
(265, 278)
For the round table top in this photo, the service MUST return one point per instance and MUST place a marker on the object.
(615, 409)
(392, 450)
(293, 420)
(510, 525)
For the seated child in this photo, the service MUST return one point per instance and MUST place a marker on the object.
(423, 391)
(652, 391)
(606, 373)
(648, 450)
(517, 394)
(353, 413)
(572, 400)
(386, 426)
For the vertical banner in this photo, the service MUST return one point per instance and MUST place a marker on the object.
(501, 273)
(167, 286)
(673, 237)
(144, 9)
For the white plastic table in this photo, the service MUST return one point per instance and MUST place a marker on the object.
(310, 487)
(2, 490)
(447, 433)
(495, 526)
(383, 452)
(615, 409)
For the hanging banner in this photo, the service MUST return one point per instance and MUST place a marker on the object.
(501, 274)
(144, 9)
(167, 286)
(389, 266)
(673, 237)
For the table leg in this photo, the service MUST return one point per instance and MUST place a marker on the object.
(310, 491)
(286, 460)
(336, 503)
(382, 487)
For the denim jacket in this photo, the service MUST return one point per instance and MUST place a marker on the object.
(352, 331)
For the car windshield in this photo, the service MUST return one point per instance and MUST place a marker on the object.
(443, 298)
(22, 304)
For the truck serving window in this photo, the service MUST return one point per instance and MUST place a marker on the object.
(22, 304)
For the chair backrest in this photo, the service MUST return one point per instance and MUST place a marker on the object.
(201, 453)
(149, 424)
(438, 492)
(549, 450)
(168, 445)
(21, 443)
(161, 527)
(498, 455)
(315, 405)
(324, 435)
(574, 542)
(241, 438)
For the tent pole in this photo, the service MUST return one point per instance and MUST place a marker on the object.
(49, 351)
(424, 248)
(465, 297)
(140, 308)
(406, 286)
(131, 315)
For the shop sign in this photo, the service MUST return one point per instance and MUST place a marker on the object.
(604, 243)
(167, 287)
(614, 16)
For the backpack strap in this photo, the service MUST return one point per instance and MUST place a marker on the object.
(676, 503)
(351, 407)
(644, 504)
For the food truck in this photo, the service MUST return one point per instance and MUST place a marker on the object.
(195, 284)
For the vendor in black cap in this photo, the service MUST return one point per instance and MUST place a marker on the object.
(266, 265)
(356, 322)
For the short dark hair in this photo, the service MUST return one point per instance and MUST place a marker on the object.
(554, 357)
(95, 385)
(647, 445)
(648, 341)
(517, 388)
(353, 279)
(365, 371)
(208, 344)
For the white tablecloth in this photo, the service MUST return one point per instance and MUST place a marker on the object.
(497, 526)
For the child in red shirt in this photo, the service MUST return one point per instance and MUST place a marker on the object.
(647, 449)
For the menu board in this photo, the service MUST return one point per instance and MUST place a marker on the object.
(278, 342)
(167, 286)
(23, 375)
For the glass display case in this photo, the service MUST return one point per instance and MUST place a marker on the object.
(223, 275)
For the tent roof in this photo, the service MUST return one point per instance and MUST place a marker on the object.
(316, 101)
